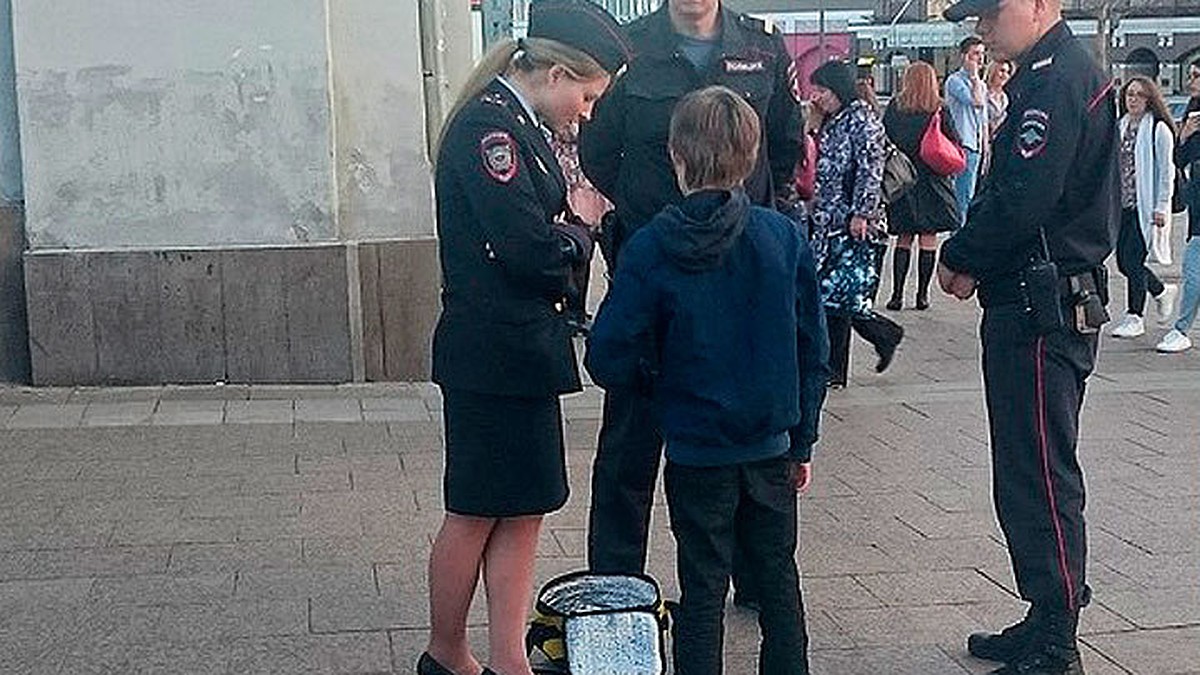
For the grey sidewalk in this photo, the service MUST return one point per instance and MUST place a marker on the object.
(233, 529)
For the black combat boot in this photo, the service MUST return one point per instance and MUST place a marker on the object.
(1053, 651)
(1007, 645)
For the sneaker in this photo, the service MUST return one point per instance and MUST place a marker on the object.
(1130, 327)
(1174, 342)
(1164, 303)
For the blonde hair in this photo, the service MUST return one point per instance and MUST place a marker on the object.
(715, 137)
(526, 56)
(919, 89)
(993, 71)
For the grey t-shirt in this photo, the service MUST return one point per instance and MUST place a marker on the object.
(699, 52)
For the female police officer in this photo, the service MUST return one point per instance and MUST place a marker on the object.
(502, 352)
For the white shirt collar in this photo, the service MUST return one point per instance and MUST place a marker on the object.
(533, 118)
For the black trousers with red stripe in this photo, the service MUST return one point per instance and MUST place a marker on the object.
(1035, 388)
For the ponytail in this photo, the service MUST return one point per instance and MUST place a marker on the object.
(525, 55)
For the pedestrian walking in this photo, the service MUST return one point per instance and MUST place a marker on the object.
(1187, 154)
(1147, 185)
(502, 352)
(929, 206)
(1034, 247)
(683, 46)
(706, 278)
(848, 219)
(966, 96)
(998, 75)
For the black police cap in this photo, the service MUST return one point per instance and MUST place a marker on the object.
(968, 8)
(583, 25)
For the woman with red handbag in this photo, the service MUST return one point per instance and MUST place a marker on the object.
(919, 125)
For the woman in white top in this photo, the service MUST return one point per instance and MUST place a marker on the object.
(998, 75)
(1147, 183)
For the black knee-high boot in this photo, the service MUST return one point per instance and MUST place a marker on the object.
(926, 261)
(900, 258)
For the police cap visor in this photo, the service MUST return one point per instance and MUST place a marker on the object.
(969, 8)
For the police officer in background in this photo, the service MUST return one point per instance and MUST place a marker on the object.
(683, 46)
(1034, 244)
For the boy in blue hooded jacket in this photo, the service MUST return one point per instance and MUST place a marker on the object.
(715, 308)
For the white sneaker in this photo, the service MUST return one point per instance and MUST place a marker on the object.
(1130, 327)
(1174, 342)
(1164, 303)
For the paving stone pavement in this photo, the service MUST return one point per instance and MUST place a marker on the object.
(278, 529)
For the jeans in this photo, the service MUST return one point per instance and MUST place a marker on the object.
(1189, 301)
(964, 184)
(712, 509)
(1131, 261)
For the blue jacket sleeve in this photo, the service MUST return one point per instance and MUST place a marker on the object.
(812, 349)
(620, 344)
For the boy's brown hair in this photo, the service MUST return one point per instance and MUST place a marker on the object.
(715, 137)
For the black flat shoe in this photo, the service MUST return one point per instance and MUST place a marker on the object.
(427, 666)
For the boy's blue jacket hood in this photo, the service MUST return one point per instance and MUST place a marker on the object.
(703, 228)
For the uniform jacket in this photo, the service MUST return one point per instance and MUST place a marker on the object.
(505, 269)
(1154, 175)
(623, 150)
(728, 292)
(1054, 168)
(930, 205)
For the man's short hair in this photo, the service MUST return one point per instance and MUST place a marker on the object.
(715, 136)
(968, 42)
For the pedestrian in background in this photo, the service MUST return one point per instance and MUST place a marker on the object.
(929, 206)
(1187, 155)
(1147, 184)
(998, 75)
(848, 218)
(707, 278)
(967, 98)
(502, 350)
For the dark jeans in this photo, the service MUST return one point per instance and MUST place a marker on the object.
(1131, 260)
(624, 476)
(1034, 387)
(711, 508)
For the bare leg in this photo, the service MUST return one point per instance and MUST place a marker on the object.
(454, 568)
(928, 241)
(508, 580)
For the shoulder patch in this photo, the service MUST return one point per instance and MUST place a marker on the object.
(1034, 133)
(499, 153)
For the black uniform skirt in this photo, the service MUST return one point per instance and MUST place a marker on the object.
(504, 455)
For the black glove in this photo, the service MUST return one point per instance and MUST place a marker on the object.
(577, 240)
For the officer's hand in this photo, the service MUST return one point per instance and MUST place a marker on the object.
(961, 286)
(1160, 219)
(800, 475)
(859, 227)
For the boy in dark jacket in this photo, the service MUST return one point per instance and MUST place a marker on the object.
(715, 306)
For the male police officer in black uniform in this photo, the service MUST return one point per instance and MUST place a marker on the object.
(684, 46)
(1036, 237)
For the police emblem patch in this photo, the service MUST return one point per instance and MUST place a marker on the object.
(1033, 134)
(499, 152)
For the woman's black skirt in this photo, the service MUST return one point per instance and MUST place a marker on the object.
(504, 455)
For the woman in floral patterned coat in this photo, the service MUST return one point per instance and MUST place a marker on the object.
(848, 216)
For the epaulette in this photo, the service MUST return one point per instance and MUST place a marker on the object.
(754, 23)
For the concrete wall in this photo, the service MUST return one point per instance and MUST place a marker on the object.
(174, 122)
(232, 190)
